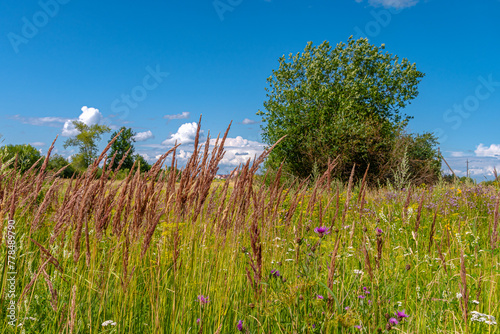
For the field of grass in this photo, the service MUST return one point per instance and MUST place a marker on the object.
(169, 253)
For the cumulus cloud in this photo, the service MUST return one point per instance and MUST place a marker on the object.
(146, 157)
(184, 135)
(248, 121)
(89, 116)
(392, 3)
(183, 115)
(482, 171)
(37, 144)
(239, 142)
(238, 151)
(484, 151)
(142, 136)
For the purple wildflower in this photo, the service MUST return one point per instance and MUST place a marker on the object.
(379, 231)
(240, 325)
(203, 299)
(346, 308)
(198, 320)
(361, 297)
(322, 230)
(393, 321)
(358, 326)
(401, 314)
(319, 297)
(365, 290)
(275, 273)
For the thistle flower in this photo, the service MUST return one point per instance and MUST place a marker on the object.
(401, 314)
(240, 325)
(275, 273)
(203, 299)
(379, 231)
(319, 297)
(393, 321)
(322, 230)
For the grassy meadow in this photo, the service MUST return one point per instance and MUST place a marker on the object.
(165, 252)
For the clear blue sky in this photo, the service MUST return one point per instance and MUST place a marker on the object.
(59, 56)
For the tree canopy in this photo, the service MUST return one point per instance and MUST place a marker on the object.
(86, 140)
(121, 145)
(344, 101)
(27, 155)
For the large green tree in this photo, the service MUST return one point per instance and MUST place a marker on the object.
(121, 145)
(341, 101)
(86, 140)
(27, 155)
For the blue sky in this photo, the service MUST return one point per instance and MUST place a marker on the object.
(156, 66)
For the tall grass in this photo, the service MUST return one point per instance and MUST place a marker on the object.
(165, 252)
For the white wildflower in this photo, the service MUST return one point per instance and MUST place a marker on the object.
(109, 323)
(358, 272)
(459, 295)
(475, 302)
(481, 317)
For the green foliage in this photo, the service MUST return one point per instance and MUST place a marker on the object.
(56, 162)
(86, 140)
(144, 165)
(402, 175)
(27, 155)
(423, 155)
(122, 173)
(337, 101)
(423, 163)
(122, 144)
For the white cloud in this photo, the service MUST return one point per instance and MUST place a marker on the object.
(239, 142)
(484, 151)
(392, 3)
(40, 121)
(146, 156)
(183, 115)
(486, 171)
(37, 144)
(184, 135)
(479, 167)
(248, 121)
(238, 151)
(89, 116)
(457, 154)
(142, 136)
